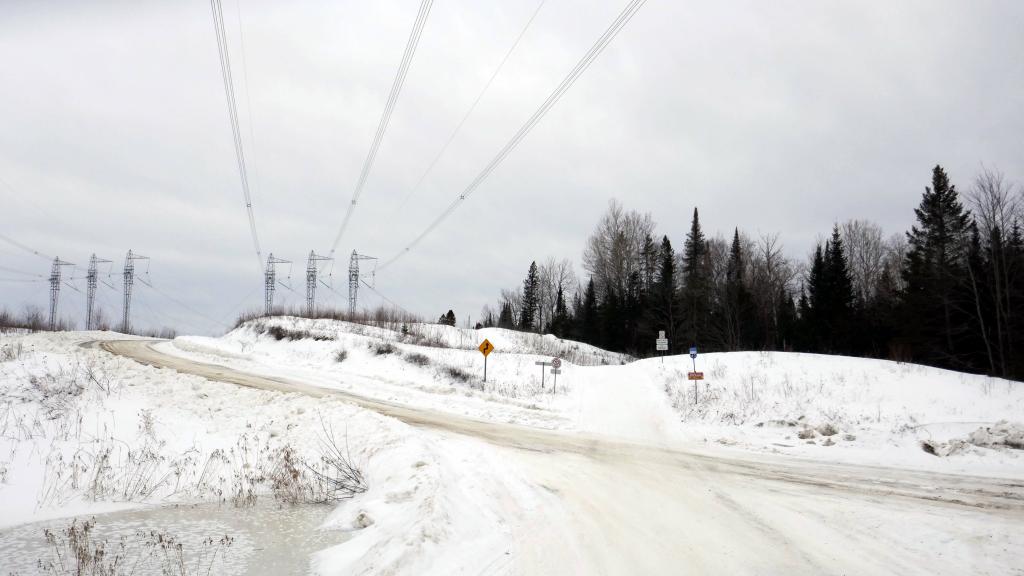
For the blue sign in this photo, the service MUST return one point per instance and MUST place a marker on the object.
(693, 352)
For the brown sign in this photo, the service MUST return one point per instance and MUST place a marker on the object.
(695, 375)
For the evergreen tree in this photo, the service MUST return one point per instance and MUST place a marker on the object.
(934, 267)
(736, 315)
(611, 320)
(531, 296)
(839, 306)
(696, 284)
(588, 329)
(560, 322)
(664, 300)
(812, 317)
(447, 319)
(505, 319)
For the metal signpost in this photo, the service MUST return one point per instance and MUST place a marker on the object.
(542, 365)
(661, 344)
(486, 348)
(694, 375)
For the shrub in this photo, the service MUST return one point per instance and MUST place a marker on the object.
(341, 355)
(456, 373)
(417, 359)
(382, 348)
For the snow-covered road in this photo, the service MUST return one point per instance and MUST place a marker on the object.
(623, 496)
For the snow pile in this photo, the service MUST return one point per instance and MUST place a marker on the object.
(1002, 435)
(85, 432)
(428, 366)
(862, 410)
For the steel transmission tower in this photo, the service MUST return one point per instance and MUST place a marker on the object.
(353, 280)
(129, 279)
(55, 289)
(270, 281)
(92, 279)
(311, 279)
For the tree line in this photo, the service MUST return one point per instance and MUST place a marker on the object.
(949, 292)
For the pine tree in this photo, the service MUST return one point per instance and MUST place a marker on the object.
(934, 267)
(664, 300)
(560, 322)
(696, 285)
(839, 307)
(813, 317)
(505, 319)
(531, 288)
(736, 304)
(587, 321)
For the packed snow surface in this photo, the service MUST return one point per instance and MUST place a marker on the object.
(83, 431)
(806, 405)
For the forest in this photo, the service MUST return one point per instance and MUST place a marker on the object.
(949, 292)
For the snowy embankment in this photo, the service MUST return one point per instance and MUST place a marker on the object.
(424, 365)
(84, 432)
(846, 409)
(805, 405)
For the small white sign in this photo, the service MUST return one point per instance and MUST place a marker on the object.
(556, 371)
(662, 344)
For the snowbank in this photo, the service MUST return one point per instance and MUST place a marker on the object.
(840, 408)
(85, 432)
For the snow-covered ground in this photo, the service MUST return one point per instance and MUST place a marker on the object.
(431, 366)
(843, 409)
(805, 405)
(83, 432)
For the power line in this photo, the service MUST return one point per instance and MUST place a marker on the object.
(385, 119)
(472, 107)
(17, 244)
(609, 34)
(182, 305)
(236, 132)
(6, 269)
(386, 299)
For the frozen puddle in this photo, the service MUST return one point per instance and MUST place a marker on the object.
(269, 538)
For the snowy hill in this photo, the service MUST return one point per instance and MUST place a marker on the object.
(806, 405)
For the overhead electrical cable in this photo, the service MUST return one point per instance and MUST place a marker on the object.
(472, 107)
(6, 269)
(385, 298)
(182, 305)
(248, 102)
(385, 118)
(17, 244)
(609, 34)
(236, 132)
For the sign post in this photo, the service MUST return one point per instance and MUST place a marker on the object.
(661, 344)
(556, 365)
(542, 365)
(486, 348)
(694, 375)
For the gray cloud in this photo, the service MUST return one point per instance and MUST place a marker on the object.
(768, 116)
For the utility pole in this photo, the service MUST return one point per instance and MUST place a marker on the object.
(92, 279)
(55, 289)
(353, 281)
(270, 282)
(311, 273)
(129, 279)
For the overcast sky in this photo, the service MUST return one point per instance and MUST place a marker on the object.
(771, 116)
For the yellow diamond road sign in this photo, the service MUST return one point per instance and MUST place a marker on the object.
(486, 347)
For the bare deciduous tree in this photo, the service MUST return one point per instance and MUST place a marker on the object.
(614, 249)
(866, 252)
(554, 274)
